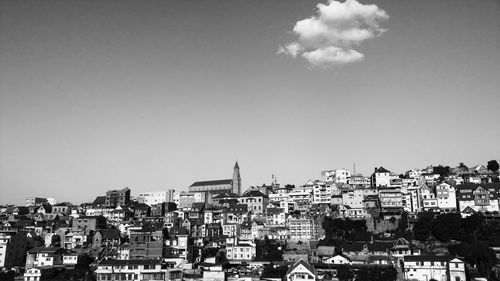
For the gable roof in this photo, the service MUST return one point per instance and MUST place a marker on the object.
(303, 263)
(381, 170)
(212, 182)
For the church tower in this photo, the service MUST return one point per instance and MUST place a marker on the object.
(236, 179)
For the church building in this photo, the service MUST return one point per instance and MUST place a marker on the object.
(209, 189)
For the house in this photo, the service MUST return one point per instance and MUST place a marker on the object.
(479, 197)
(236, 213)
(382, 177)
(44, 256)
(241, 250)
(301, 271)
(275, 216)
(255, 200)
(64, 207)
(106, 238)
(89, 223)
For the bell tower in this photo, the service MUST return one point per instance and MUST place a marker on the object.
(236, 188)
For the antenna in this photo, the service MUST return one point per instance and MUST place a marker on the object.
(354, 168)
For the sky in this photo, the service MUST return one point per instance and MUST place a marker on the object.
(153, 95)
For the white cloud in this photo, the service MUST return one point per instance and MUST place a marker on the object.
(328, 38)
(332, 56)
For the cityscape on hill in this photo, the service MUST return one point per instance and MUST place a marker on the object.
(440, 223)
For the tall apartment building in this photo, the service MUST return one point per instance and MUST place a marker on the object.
(117, 197)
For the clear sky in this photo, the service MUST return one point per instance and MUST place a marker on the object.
(97, 95)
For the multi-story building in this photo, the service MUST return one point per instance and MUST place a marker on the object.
(446, 197)
(322, 193)
(255, 200)
(241, 250)
(117, 197)
(89, 223)
(383, 177)
(146, 244)
(390, 199)
(337, 175)
(479, 197)
(136, 269)
(300, 229)
(155, 197)
(442, 268)
(353, 198)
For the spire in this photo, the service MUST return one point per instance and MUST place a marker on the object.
(236, 165)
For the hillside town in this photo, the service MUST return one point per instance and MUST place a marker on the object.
(435, 223)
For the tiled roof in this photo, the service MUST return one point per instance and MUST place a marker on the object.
(212, 182)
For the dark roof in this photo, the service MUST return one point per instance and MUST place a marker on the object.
(129, 262)
(45, 250)
(212, 182)
(254, 193)
(428, 258)
(99, 200)
(238, 209)
(381, 170)
(225, 195)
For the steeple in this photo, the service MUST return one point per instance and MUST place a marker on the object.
(236, 188)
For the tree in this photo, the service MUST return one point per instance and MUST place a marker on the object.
(493, 166)
(271, 272)
(447, 226)
(344, 273)
(423, 227)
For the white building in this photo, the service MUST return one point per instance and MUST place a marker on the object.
(241, 250)
(446, 197)
(156, 197)
(425, 268)
(353, 198)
